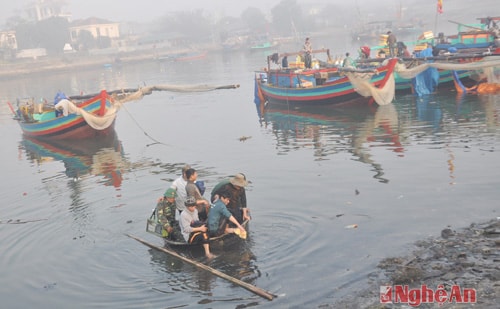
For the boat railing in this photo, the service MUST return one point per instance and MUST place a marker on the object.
(278, 56)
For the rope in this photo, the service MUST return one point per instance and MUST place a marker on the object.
(144, 131)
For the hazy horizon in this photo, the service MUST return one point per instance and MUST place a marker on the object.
(350, 12)
(147, 10)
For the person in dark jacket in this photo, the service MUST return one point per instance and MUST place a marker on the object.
(235, 186)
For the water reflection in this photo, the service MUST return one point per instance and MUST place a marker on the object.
(328, 131)
(429, 110)
(491, 106)
(442, 113)
(101, 157)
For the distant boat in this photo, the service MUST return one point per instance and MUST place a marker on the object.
(189, 56)
(371, 31)
(263, 46)
(483, 35)
(184, 56)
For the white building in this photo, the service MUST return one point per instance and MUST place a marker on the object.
(44, 9)
(96, 26)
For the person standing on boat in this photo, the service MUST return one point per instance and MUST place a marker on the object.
(179, 185)
(235, 186)
(348, 61)
(193, 190)
(59, 96)
(307, 54)
(391, 42)
(284, 62)
(405, 52)
(218, 217)
(165, 210)
(191, 231)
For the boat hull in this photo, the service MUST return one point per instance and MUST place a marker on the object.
(405, 86)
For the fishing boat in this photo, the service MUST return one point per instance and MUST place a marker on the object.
(190, 56)
(324, 84)
(447, 67)
(183, 56)
(86, 116)
(154, 227)
(263, 46)
(371, 31)
(482, 35)
(82, 117)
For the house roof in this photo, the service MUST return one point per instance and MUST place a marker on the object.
(90, 21)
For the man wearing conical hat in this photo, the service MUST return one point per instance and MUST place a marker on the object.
(235, 186)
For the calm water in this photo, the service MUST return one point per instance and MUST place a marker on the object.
(400, 172)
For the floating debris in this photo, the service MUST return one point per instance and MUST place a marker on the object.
(244, 138)
(352, 226)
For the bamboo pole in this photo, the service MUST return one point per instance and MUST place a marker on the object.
(162, 87)
(438, 58)
(222, 275)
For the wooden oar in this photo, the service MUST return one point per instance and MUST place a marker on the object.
(245, 285)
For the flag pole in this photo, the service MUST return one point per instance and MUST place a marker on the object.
(436, 23)
(439, 10)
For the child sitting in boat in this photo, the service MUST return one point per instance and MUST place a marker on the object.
(194, 234)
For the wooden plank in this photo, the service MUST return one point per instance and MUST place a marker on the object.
(220, 274)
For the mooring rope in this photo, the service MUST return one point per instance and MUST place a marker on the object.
(144, 131)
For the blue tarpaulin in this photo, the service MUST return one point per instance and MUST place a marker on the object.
(427, 81)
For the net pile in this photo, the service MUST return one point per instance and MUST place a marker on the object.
(486, 65)
(385, 95)
(95, 121)
(362, 85)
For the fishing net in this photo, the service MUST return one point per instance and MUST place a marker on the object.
(485, 66)
(139, 93)
(95, 121)
(363, 86)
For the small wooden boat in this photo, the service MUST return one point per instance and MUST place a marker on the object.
(263, 46)
(40, 121)
(154, 227)
(326, 84)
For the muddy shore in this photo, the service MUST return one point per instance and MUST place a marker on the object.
(468, 258)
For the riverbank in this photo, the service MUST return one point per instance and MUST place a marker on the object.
(80, 61)
(468, 258)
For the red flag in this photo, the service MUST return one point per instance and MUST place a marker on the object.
(440, 6)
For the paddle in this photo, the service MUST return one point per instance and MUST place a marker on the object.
(222, 275)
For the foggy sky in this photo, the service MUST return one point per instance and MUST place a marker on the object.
(150, 10)
(147, 10)
(142, 10)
